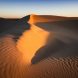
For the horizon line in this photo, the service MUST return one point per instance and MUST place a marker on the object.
(18, 17)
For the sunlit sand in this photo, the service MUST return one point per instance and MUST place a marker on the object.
(45, 18)
(16, 55)
(31, 41)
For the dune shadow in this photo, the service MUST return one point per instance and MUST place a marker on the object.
(58, 25)
(47, 51)
(14, 27)
(63, 45)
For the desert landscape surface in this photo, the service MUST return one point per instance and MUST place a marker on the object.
(39, 46)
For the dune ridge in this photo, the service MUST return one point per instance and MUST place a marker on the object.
(44, 18)
(31, 41)
(12, 64)
(16, 57)
(47, 18)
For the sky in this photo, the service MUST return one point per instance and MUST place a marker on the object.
(21, 8)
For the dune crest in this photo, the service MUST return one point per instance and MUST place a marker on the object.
(35, 37)
(15, 56)
(31, 41)
(44, 18)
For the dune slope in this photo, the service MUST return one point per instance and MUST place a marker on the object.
(38, 52)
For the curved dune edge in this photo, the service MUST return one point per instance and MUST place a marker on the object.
(31, 41)
(15, 63)
(12, 64)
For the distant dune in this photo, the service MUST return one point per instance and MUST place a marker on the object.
(48, 18)
(39, 46)
(44, 18)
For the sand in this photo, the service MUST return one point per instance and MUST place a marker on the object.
(39, 52)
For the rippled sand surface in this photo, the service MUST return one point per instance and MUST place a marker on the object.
(12, 64)
(16, 56)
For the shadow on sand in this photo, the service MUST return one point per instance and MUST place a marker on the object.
(14, 27)
(64, 44)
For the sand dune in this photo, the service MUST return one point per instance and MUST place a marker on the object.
(31, 41)
(44, 18)
(48, 18)
(13, 65)
(64, 41)
(46, 48)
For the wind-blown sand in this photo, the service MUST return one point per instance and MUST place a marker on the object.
(40, 52)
